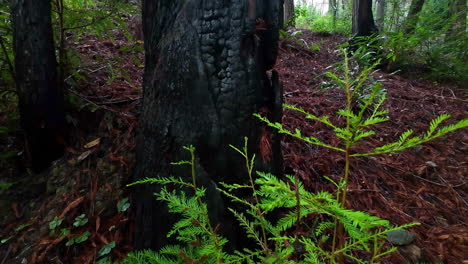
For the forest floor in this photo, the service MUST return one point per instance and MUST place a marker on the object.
(427, 184)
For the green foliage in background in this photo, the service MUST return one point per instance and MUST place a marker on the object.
(310, 18)
(93, 17)
(6, 48)
(428, 51)
(429, 48)
(335, 235)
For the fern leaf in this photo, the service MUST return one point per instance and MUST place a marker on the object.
(434, 124)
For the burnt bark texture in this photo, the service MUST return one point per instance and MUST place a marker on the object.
(413, 16)
(205, 75)
(363, 19)
(40, 97)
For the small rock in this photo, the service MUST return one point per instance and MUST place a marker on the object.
(401, 237)
(411, 253)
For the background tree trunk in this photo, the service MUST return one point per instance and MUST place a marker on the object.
(363, 20)
(381, 4)
(333, 9)
(289, 13)
(413, 16)
(457, 12)
(40, 97)
(205, 75)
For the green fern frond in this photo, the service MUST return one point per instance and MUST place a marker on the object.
(346, 113)
(322, 226)
(148, 257)
(362, 134)
(235, 186)
(434, 124)
(249, 227)
(171, 250)
(182, 162)
(161, 180)
(406, 141)
(374, 120)
(324, 119)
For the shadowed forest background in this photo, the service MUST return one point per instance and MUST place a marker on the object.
(257, 131)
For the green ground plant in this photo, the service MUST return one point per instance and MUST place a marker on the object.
(310, 18)
(363, 109)
(427, 49)
(340, 233)
(199, 242)
(6, 48)
(75, 18)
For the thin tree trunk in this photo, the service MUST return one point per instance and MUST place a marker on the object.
(458, 12)
(40, 97)
(333, 9)
(363, 19)
(413, 16)
(289, 13)
(381, 4)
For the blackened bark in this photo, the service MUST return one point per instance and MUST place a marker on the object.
(363, 19)
(205, 75)
(40, 98)
(413, 16)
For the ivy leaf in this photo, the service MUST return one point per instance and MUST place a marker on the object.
(82, 238)
(55, 223)
(70, 242)
(80, 221)
(64, 232)
(106, 249)
(123, 205)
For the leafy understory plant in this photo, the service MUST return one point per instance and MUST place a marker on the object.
(276, 242)
(200, 243)
(363, 109)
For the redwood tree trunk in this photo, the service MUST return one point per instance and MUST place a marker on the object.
(40, 97)
(289, 13)
(363, 20)
(333, 9)
(458, 12)
(381, 6)
(413, 16)
(205, 75)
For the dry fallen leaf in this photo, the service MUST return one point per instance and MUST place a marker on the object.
(93, 143)
(84, 155)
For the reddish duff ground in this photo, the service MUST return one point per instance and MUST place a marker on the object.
(426, 184)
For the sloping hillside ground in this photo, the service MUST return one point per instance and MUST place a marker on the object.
(425, 184)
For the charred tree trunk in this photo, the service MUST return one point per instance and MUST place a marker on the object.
(363, 20)
(40, 97)
(289, 13)
(413, 16)
(205, 75)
